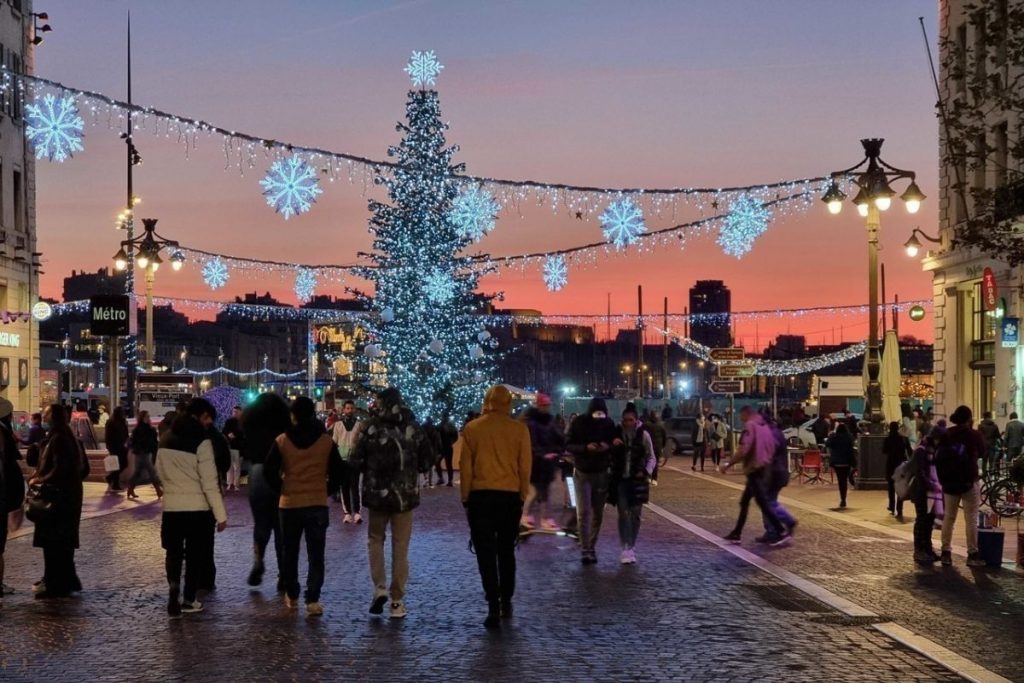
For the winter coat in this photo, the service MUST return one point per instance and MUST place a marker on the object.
(990, 431)
(587, 429)
(633, 460)
(659, 437)
(757, 445)
(63, 466)
(186, 467)
(959, 480)
(391, 454)
(1014, 436)
(345, 433)
(496, 449)
(897, 449)
(12, 481)
(545, 438)
(840, 449)
(233, 433)
(145, 439)
(117, 437)
(305, 466)
(699, 434)
(263, 421)
(929, 491)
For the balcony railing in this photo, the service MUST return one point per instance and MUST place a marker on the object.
(1008, 201)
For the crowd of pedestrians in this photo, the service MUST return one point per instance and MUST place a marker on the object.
(297, 462)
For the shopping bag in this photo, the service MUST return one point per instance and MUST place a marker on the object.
(111, 463)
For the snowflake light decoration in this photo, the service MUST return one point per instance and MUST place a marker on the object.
(747, 220)
(305, 284)
(423, 68)
(623, 223)
(54, 127)
(215, 273)
(439, 286)
(556, 274)
(291, 186)
(474, 213)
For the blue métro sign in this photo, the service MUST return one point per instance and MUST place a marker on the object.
(1010, 333)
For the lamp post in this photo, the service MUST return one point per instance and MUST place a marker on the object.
(146, 248)
(913, 245)
(872, 177)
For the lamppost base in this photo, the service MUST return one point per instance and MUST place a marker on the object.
(871, 463)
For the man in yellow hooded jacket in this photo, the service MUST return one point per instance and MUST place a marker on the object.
(495, 479)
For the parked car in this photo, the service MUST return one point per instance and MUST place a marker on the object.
(804, 433)
(679, 435)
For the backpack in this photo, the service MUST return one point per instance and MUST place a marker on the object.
(905, 479)
(780, 460)
(954, 467)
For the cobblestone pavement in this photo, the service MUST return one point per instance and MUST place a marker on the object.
(977, 613)
(688, 611)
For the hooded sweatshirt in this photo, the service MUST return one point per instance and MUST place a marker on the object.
(597, 428)
(496, 453)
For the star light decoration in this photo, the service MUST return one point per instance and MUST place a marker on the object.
(305, 284)
(439, 286)
(622, 223)
(423, 68)
(291, 186)
(747, 220)
(474, 213)
(54, 127)
(215, 273)
(556, 273)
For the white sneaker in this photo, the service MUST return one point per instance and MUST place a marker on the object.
(624, 558)
(398, 610)
(191, 607)
(290, 603)
(314, 609)
(357, 518)
(632, 556)
(347, 519)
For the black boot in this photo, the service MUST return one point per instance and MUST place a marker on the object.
(493, 619)
(256, 574)
(506, 608)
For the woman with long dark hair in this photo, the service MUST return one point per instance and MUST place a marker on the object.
(265, 419)
(116, 438)
(840, 455)
(62, 469)
(897, 451)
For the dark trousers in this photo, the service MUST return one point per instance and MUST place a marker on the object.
(494, 528)
(843, 479)
(755, 489)
(114, 478)
(923, 524)
(59, 573)
(350, 490)
(699, 451)
(716, 455)
(448, 459)
(311, 521)
(265, 518)
(895, 502)
(188, 537)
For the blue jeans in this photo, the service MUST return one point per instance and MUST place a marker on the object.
(780, 512)
(591, 496)
(629, 515)
(265, 518)
(311, 521)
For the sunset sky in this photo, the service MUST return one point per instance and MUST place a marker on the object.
(675, 93)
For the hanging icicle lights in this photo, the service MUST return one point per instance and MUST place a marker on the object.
(778, 368)
(245, 151)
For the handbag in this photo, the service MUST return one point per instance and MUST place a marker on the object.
(40, 502)
(111, 463)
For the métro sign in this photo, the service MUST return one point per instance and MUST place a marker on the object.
(726, 386)
(732, 353)
(745, 370)
(112, 316)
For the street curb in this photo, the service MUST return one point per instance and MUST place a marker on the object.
(959, 665)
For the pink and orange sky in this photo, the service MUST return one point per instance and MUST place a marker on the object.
(644, 93)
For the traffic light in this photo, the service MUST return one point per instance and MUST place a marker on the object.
(319, 392)
(250, 395)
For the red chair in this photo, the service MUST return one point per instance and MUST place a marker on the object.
(811, 467)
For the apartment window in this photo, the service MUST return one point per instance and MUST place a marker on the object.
(1001, 162)
(3, 297)
(961, 58)
(17, 95)
(980, 49)
(23, 304)
(980, 154)
(960, 179)
(19, 203)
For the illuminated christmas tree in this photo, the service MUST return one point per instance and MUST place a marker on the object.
(427, 332)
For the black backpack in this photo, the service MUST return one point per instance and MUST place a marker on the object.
(780, 459)
(954, 467)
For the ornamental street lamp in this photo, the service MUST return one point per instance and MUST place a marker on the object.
(913, 245)
(146, 248)
(872, 178)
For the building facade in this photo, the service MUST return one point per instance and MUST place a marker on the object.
(19, 264)
(971, 365)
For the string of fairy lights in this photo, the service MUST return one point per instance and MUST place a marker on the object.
(292, 184)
